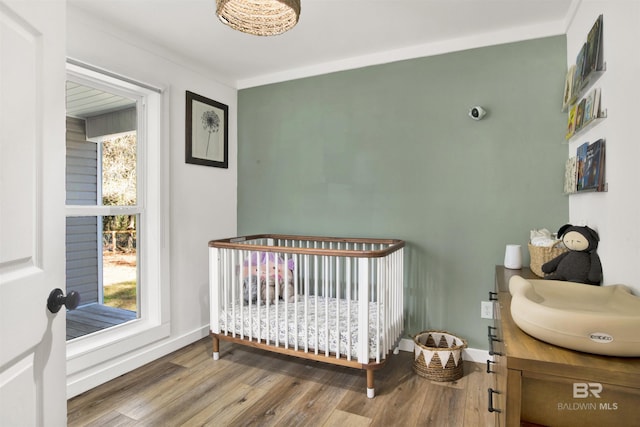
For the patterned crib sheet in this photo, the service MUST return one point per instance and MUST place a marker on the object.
(313, 330)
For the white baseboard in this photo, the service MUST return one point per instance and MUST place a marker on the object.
(470, 354)
(91, 378)
(406, 344)
(476, 355)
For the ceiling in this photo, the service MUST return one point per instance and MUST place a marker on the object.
(84, 101)
(329, 31)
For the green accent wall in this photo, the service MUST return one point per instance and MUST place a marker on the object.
(389, 151)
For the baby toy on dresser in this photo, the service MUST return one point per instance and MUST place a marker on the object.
(581, 263)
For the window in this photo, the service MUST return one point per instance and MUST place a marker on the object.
(101, 177)
(116, 217)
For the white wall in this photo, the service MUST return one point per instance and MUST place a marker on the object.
(202, 199)
(616, 213)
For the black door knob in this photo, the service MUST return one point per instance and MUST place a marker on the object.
(57, 299)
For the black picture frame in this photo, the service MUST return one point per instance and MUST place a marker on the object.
(207, 131)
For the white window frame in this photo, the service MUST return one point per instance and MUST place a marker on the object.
(87, 355)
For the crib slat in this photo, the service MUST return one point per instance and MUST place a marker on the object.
(306, 301)
(238, 283)
(279, 293)
(295, 301)
(228, 300)
(317, 309)
(325, 293)
(236, 290)
(249, 279)
(258, 296)
(399, 274)
(379, 303)
(214, 288)
(348, 289)
(231, 326)
(337, 295)
(268, 297)
(391, 302)
(363, 310)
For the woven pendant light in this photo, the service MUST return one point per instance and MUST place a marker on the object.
(259, 17)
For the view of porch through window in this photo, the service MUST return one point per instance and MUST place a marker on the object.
(103, 215)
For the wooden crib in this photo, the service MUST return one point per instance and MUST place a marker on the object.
(334, 300)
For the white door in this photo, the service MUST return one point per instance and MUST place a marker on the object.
(32, 222)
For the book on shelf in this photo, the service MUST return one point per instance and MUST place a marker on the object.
(570, 176)
(588, 108)
(602, 183)
(578, 72)
(580, 114)
(595, 108)
(594, 58)
(568, 85)
(571, 121)
(581, 158)
(593, 175)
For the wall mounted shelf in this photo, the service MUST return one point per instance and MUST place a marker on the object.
(590, 124)
(585, 173)
(587, 83)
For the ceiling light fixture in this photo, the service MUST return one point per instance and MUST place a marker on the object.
(259, 17)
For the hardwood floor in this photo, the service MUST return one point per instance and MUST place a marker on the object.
(252, 387)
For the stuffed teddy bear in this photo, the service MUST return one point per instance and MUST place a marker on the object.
(581, 263)
(262, 273)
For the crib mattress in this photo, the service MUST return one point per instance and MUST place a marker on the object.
(305, 326)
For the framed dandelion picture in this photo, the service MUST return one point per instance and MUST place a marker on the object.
(207, 132)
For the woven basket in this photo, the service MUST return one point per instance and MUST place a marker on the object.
(438, 355)
(542, 254)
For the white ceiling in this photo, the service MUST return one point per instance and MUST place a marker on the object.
(329, 31)
(84, 101)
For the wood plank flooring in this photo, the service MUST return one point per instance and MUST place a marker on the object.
(90, 318)
(250, 387)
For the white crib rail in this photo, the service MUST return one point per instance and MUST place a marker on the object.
(359, 273)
